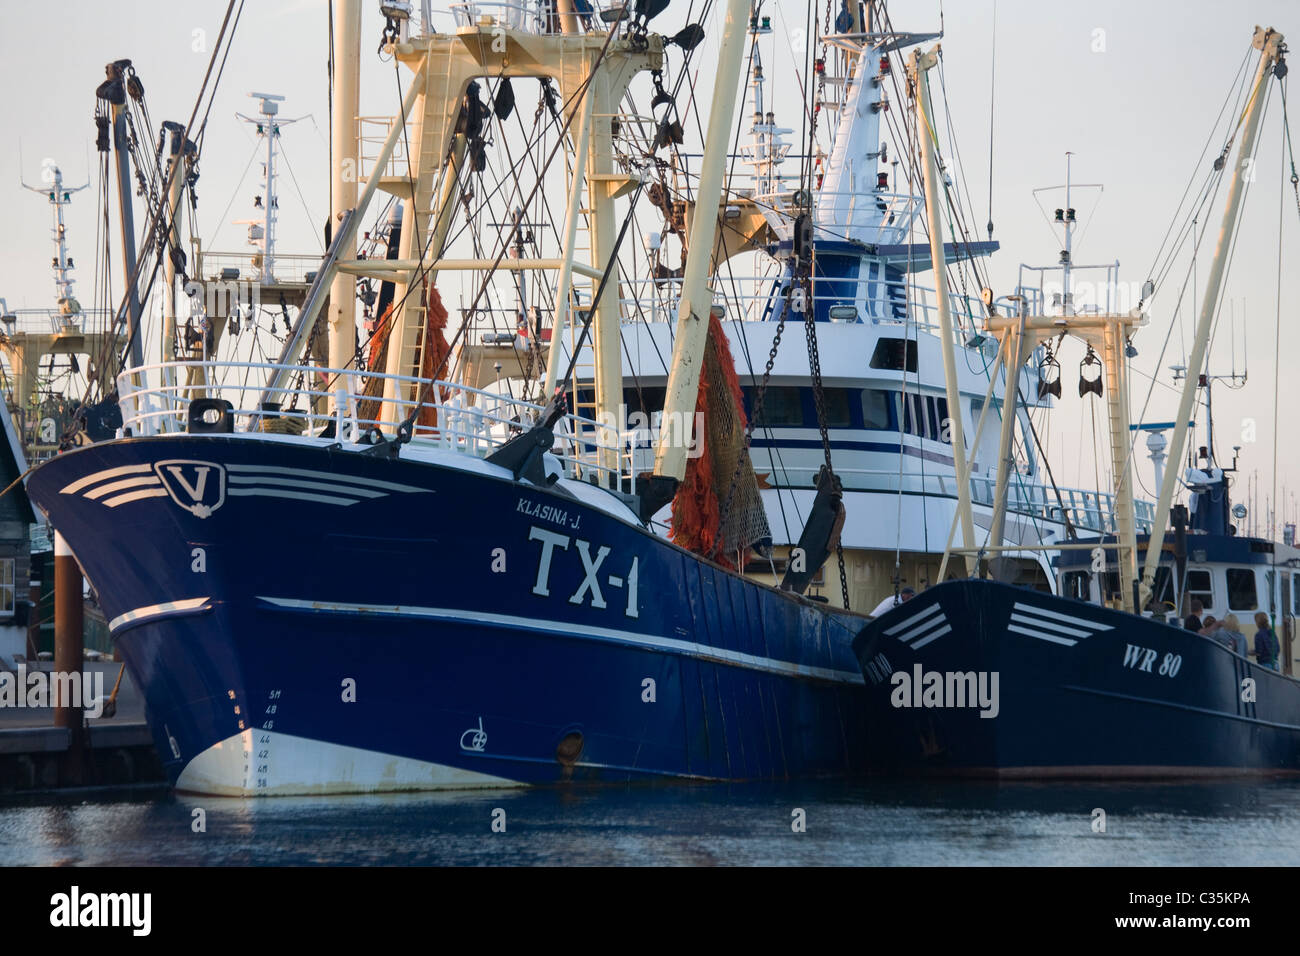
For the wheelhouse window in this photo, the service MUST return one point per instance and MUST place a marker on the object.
(898, 355)
(875, 409)
(943, 427)
(7, 586)
(924, 415)
(1242, 595)
(914, 417)
(1200, 587)
(782, 406)
(647, 400)
(837, 408)
(1162, 587)
(1075, 584)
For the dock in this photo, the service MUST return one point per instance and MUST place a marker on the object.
(35, 755)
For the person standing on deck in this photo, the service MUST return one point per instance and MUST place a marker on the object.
(1266, 649)
(891, 602)
(1230, 636)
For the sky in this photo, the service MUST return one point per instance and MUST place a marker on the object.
(1130, 87)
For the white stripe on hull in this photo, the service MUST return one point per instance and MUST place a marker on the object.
(1067, 641)
(1068, 618)
(933, 637)
(702, 651)
(158, 610)
(298, 766)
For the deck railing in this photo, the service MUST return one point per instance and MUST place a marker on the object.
(1088, 511)
(155, 399)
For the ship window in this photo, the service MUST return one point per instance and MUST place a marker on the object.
(1162, 586)
(1075, 584)
(782, 406)
(1241, 590)
(837, 408)
(944, 432)
(898, 355)
(875, 409)
(7, 586)
(914, 422)
(647, 400)
(1295, 593)
(1200, 587)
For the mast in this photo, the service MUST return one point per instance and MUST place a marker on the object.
(1269, 43)
(268, 123)
(1121, 459)
(343, 186)
(169, 268)
(564, 289)
(180, 151)
(697, 298)
(1108, 333)
(1018, 354)
(114, 92)
(60, 196)
(918, 66)
(443, 66)
(602, 227)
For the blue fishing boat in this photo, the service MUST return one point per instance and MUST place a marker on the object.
(359, 575)
(440, 623)
(1118, 668)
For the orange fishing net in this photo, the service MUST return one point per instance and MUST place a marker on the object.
(435, 322)
(719, 457)
(434, 357)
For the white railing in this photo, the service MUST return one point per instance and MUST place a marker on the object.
(1089, 511)
(847, 214)
(467, 420)
(529, 16)
(52, 321)
(1044, 293)
(372, 133)
(247, 267)
(873, 301)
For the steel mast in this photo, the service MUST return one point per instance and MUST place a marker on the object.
(918, 66)
(1269, 42)
(697, 299)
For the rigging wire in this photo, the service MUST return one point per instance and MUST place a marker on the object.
(993, 72)
(320, 240)
(157, 211)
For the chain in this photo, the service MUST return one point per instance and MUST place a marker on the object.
(819, 399)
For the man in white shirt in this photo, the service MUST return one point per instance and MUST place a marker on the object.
(891, 602)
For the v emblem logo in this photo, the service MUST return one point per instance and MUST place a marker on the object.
(197, 486)
(195, 492)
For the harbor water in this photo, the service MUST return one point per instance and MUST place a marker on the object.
(871, 823)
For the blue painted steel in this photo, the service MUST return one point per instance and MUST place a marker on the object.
(532, 653)
(1128, 697)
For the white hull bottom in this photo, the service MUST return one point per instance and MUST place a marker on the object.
(263, 763)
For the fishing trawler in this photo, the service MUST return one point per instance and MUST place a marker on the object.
(52, 356)
(1101, 679)
(872, 394)
(427, 584)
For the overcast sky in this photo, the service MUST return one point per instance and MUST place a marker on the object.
(1131, 87)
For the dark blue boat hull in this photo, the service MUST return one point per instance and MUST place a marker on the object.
(320, 629)
(1082, 691)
